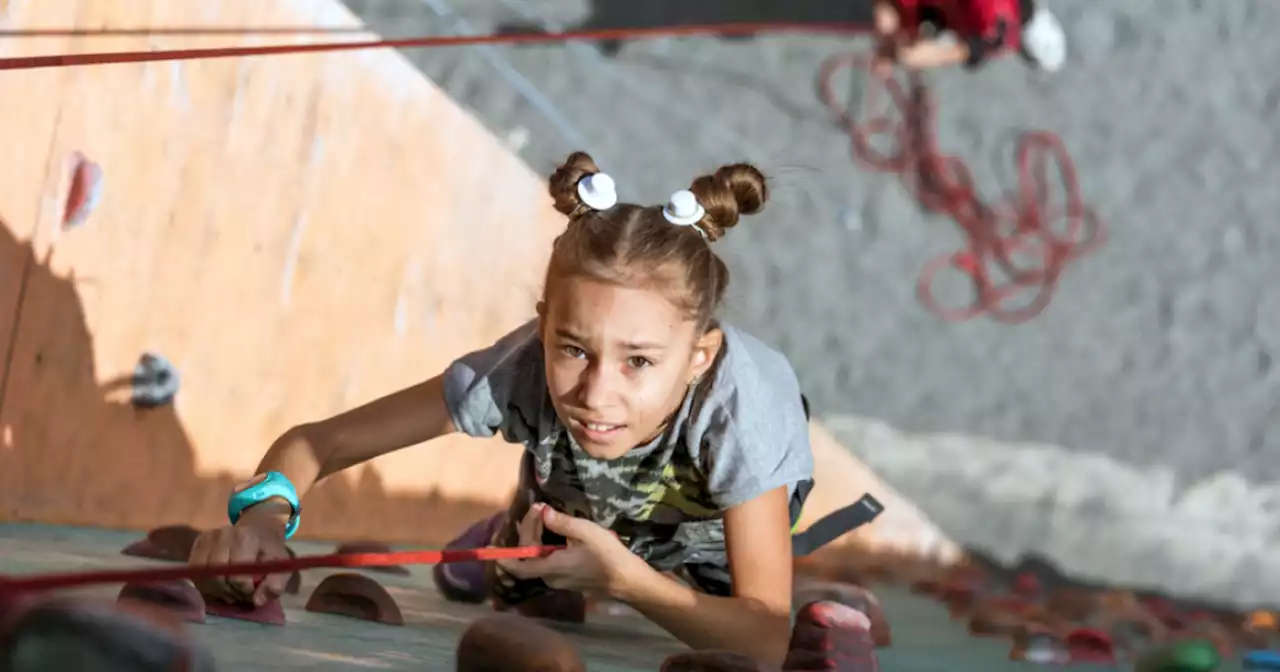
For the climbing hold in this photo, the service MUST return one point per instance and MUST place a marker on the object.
(1262, 660)
(355, 596)
(1261, 620)
(1210, 632)
(1072, 604)
(155, 381)
(1085, 645)
(831, 636)
(179, 597)
(1027, 584)
(510, 643)
(565, 606)
(1036, 644)
(77, 635)
(84, 193)
(809, 591)
(271, 613)
(171, 542)
(1188, 656)
(712, 661)
(361, 547)
(295, 579)
(997, 620)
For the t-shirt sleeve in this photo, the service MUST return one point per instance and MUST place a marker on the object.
(751, 431)
(746, 459)
(499, 389)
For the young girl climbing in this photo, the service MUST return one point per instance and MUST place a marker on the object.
(659, 440)
(920, 34)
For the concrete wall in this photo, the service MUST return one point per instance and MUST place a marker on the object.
(298, 234)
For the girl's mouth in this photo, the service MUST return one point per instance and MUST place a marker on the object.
(598, 431)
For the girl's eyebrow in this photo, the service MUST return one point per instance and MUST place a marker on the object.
(626, 345)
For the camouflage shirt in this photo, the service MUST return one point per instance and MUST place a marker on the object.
(738, 434)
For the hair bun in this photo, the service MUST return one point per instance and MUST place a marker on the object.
(728, 194)
(563, 185)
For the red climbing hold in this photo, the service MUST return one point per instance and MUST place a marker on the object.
(271, 613)
(84, 193)
(171, 542)
(831, 636)
(355, 596)
(361, 547)
(181, 598)
(1085, 645)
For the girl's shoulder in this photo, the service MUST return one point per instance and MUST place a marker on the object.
(748, 426)
(752, 390)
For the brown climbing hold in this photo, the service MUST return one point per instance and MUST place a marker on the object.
(361, 547)
(355, 596)
(295, 579)
(996, 620)
(511, 643)
(831, 636)
(713, 661)
(1072, 604)
(181, 598)
(271, 613)
(565, 606)
(859, 598)
(171, 542)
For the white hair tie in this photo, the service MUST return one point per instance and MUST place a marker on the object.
(683, 209)
(598, 191)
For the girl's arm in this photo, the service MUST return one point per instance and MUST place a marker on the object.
(307, 453)
(756, 621)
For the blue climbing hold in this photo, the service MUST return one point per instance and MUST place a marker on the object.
(1262, 660)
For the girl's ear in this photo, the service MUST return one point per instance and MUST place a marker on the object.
(542, 317)
(705, 352)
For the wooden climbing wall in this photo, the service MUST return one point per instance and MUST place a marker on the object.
(298, 235)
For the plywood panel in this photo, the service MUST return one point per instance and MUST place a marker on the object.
(298, 234)
(284, 229)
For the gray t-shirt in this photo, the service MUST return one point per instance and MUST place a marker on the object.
(738, 434)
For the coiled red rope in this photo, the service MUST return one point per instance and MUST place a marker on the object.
(1017, 250)
(36, 582)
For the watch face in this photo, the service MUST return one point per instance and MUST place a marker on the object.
(248, 484)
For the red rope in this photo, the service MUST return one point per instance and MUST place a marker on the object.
(1016, 239)
(104, 58)
(34, 582)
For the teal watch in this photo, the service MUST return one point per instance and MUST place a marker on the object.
(259, 489)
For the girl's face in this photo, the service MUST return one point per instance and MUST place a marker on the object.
(619, 361)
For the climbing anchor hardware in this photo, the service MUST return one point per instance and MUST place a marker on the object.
(155, 382)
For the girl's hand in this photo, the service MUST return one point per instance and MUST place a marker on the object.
(594, 562)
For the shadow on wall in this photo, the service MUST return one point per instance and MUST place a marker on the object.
(74, 450)
(620, 14)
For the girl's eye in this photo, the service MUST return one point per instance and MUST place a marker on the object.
(573, 351)
(638, 362)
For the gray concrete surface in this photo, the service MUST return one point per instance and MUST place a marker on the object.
(925, 639)
(1156, 354)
